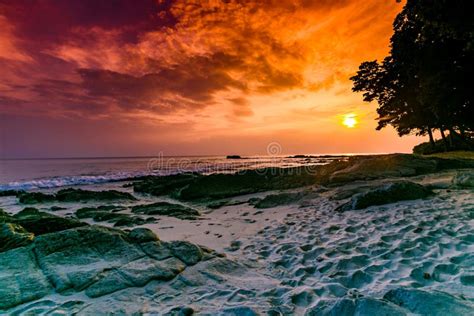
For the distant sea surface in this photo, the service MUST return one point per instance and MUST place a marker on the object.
(27, 174)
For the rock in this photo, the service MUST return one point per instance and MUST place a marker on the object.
(234, 245)
(160, 185)
(371, 306)
(4, 216)
(218, 186)
(14, 236)
(93, 259)
(141, 235)
(180, 311)
(233, 157)
(219, 204)
(464, 179)
(56, 208)
(355, 281)
(29, 212)
(97, 215)
(383, 166)
(237, 311)
(38, 223)
(342, 307)
(77, 195)
(390, 193)
(111, 217)
(97, 212)
(375, 167)
(103, 261)
(21, 280)
(166, 209)
(41, 223)
(35, 197)
(194, 186)
(157, 250)
(301, 156)
(11, 193)
(429, 303)
(41, 307)
(110, 281)
(273, 200)
(87, 212)
(186, 252)
(111, 208)
(74, 258)
(131, 221)
(467, 279)
(135, 274)
(73, 195)
(104, 213)
(360, 306)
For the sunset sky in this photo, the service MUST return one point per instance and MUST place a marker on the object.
(130, 78)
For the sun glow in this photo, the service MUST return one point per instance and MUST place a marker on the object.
(349, 120)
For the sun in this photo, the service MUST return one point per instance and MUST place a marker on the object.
(350, 120)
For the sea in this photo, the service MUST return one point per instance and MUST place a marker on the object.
(29, 174)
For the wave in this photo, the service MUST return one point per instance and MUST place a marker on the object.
(67, 181)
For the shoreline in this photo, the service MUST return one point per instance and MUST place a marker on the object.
(287, 247)
(204, 168)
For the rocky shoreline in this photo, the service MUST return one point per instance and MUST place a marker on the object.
(294, 246)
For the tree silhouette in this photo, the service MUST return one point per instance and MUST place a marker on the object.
(424, 84)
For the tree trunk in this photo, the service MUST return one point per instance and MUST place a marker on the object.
(450, 138)
(445, 142)
(462, 137)
(430, 133)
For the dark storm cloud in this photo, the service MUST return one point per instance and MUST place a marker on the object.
(48, 21)
(194, 81)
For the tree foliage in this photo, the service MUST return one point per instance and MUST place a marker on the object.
(425, 83)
